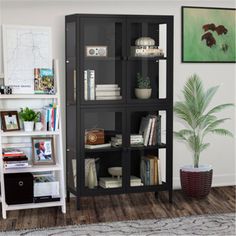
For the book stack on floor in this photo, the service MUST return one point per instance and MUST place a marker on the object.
(111, 182)
(108, 92)
(150, 128)
(14, 158)
(150, 170)
(50, 117)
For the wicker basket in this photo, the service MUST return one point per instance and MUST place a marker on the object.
(196, 184)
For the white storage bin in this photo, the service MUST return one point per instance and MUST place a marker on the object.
(46, 189)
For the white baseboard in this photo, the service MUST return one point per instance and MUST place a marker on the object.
(218, 180)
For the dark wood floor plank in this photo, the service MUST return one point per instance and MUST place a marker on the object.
(122, 207)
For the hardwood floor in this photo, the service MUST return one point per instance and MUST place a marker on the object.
(122, 207)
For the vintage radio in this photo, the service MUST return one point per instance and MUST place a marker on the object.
(96, 51)
(94, 136)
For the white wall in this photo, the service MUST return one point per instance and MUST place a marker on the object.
(221, 153)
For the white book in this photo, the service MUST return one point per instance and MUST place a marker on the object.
(152, 130)
(105, 145)
(147, 132)
(57, 118)
(109, 98)
(91, 82)
(107, 89)
(85, 85)
(159, 171)
(107, 86)
(107, 93)
(16, 165)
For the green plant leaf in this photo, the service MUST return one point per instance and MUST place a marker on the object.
(220, 108)
(224, 132)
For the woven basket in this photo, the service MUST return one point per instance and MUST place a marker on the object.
(196, 184)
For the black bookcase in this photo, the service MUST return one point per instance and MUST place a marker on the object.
(116, 116)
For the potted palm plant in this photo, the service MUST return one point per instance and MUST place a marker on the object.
(28, 116)
(143, 89)
(200, 121)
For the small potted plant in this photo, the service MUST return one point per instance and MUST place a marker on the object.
(200, 121)
(143, 90)
(28, 116)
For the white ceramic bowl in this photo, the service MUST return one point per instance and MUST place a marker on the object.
(145, 41)
(115, 171)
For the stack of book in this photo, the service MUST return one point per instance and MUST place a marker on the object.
(108, 92)
(14, 158)
(150, 128)
(50, 117)
(150, 170)
(109, 182)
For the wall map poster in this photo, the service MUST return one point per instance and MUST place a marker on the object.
(25, 48)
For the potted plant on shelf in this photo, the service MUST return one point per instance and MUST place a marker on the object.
(28, 116)
(200, 121)
(143, 90)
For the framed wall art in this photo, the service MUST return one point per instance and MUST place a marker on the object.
(208, 35)
(43, 151)
(10, 121)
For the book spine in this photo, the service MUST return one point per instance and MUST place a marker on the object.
(16, 165)
(57, 118)
(159, 130)
(52, 119)
(147, 172)
(107, 93)
(147, 134)
(92, 84)
(159, 171)
(85, 85)
(151, 132)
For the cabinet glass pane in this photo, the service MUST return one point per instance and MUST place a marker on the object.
(103, 128)
(103, 170)
(103, 51)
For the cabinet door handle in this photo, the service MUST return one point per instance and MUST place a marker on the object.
(74, 81)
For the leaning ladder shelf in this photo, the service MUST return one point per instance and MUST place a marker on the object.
(58, 168)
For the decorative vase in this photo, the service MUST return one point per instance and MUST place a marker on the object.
(196, 182)
(143, 93)
(91, 177)
(28, 126)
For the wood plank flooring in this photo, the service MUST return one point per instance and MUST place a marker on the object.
(122, 207)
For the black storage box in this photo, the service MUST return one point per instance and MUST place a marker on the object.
(19, 188)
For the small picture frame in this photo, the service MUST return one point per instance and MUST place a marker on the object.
(10, 121)
(43, 151)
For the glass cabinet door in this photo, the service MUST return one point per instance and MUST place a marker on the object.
(101, 59)
(148, 52)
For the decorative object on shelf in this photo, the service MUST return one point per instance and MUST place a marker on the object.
(10, 121)
(5, 89)
(43, 81)
(145, 47)
(94, 136)
(196, 180)
(211, 31)
(96, 51)
(89, 85)
(143, 90)
(91, 177)
(29, 117)
(115, 172)
(43, 151)
(144, 41)
(38, 126)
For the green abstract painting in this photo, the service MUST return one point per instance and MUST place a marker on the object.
(208, 34)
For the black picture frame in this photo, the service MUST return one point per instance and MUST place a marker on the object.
(221, 47)
(10, 121)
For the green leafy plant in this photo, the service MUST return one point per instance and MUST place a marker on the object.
(143, 82)
(200, 120)
(28, 114)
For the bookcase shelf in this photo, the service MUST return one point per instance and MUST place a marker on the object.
(119, 118)
(20, 140)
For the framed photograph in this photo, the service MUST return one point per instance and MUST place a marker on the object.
(10, 121)
(43, 151)
(208, 35)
